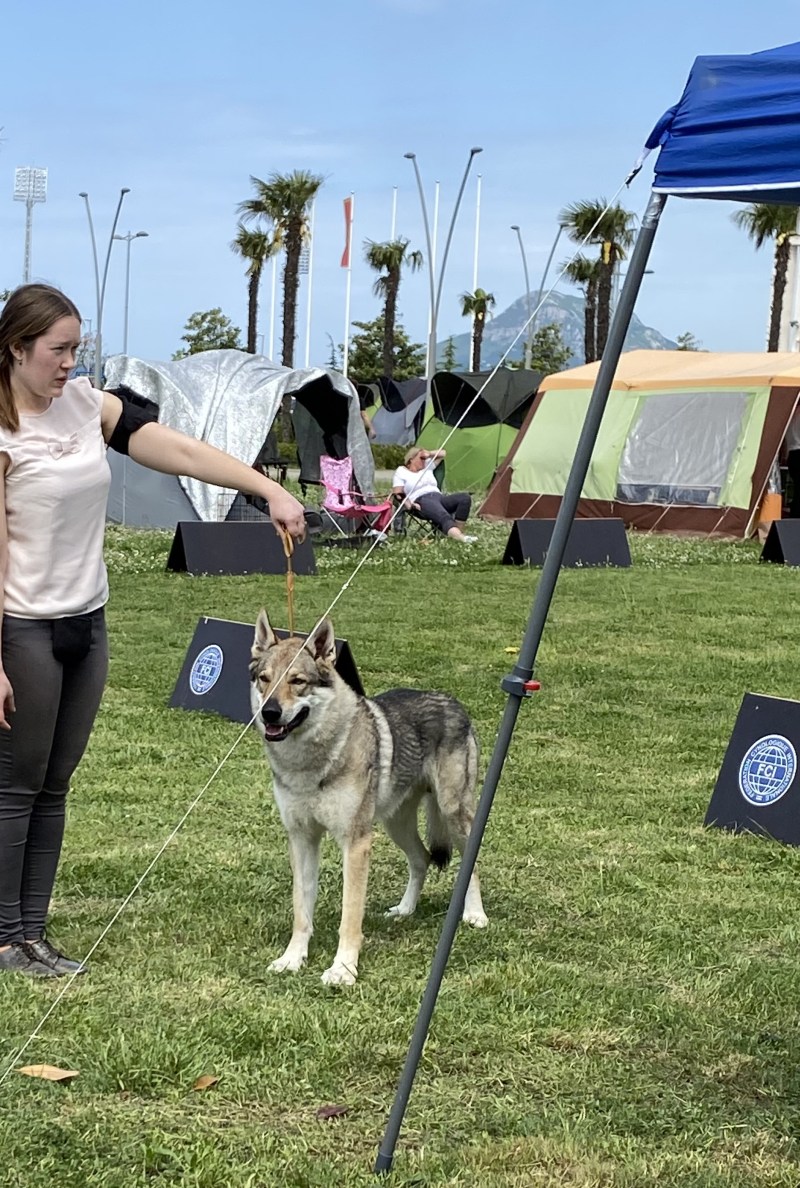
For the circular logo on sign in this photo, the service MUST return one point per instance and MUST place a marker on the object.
(206, 669)
(767, 769)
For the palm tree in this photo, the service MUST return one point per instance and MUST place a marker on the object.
(586, 274)
(477, 305)
(255, 247)
(763, 221)
(389, 258)
(612, 230)
(285, 200)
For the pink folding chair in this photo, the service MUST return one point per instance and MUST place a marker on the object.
(341, 498)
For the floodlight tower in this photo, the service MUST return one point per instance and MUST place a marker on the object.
(30, 187)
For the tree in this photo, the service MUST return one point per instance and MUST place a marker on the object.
(284, 201)
(585, 273)
(612, 230)
(478, 305)
(448, 360)
(209, 330)
(255, 247)
(389, 258)
(549, 352)
(688, 342)
(762, 221)
(335, 357)
(365, 359)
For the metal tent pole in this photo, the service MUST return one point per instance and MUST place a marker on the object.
(518, 684)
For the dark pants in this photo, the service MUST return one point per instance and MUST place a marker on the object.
(793, 466)
(56, 707)
(444, 510)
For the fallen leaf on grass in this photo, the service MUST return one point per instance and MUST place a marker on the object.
(326, 1112)
(511, 651)
(205, 1082)
(48, 1072)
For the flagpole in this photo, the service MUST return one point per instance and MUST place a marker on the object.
(310, 283)
(272, 306)
(432, 311)
(477, 234)
(394, 214)
(349, 251)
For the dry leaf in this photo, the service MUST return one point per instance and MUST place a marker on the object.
(48, 1072)
(511, 651)
(205, 1082)
(325, 1113)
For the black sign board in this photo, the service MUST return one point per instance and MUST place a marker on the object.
(758, 788)
(235, 547)
(590, 542)
(783, 543)
(215, 672)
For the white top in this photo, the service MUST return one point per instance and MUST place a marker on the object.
(416, 482)
(56, 490)
(793, 432)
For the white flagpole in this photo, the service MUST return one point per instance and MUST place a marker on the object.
(432, 349)
(477, 234)
(394, 214)
(310, 283)
(346, 354)
(272, 307)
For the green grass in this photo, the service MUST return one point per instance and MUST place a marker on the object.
(630, 1016)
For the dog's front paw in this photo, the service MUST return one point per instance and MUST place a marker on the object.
(476, 919)
(340, 975)
(288, 963)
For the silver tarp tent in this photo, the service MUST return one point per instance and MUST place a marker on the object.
(231, 399)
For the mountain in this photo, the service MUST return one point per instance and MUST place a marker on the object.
(566, 310)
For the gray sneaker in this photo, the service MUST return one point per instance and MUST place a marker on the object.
(16, 960)
(468, 539)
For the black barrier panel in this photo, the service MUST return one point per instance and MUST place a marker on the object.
(758, 789)
(235, 547)
(215, 674)
(783, 543)
(590, 542)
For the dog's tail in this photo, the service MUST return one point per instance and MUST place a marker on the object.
(437, 835)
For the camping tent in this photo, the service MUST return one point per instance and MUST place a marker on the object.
(478, 429)
(230, 399)
(396, 409)
(686, 443)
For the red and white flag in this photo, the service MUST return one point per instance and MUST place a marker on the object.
(348, 231)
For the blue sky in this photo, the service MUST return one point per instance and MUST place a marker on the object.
(182, 102)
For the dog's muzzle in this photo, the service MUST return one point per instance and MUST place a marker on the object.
(274, 729)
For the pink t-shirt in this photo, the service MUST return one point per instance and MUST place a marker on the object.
(56, 489)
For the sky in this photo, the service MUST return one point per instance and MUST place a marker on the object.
(181, 102)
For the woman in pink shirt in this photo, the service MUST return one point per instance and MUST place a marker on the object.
(54, 433)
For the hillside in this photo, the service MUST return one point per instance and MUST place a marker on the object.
(566, 309)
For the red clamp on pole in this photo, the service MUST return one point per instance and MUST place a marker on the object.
(532, 686)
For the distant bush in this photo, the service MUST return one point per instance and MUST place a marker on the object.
(388, 457)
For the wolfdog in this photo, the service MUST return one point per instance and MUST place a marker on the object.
(339, 762)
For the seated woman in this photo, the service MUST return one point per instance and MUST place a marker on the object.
(416, 484)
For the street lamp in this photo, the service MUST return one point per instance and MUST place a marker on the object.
(131, 235)
(436, 289)
(100, 289)
(527, 360)
(30, 186)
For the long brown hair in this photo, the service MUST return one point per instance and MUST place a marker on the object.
(29, 312)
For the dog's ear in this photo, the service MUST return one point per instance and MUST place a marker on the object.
(321, 643)
(264, 637)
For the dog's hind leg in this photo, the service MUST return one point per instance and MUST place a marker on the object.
(455, 783)
(304, 857)
(402, 829)
(356, 854)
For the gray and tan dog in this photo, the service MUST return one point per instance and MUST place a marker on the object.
(340, 762)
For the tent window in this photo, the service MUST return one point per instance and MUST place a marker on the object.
(680, 448)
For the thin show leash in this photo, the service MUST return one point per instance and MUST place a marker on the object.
(288, 549)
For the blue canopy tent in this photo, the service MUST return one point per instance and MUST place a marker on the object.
(734, 135)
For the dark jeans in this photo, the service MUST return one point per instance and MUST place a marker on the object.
(793, 466)
(56, 707)
(444, 510)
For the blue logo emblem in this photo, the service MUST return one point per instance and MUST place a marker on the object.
(206, 670)
(767, 770)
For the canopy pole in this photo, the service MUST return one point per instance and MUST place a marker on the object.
(515, 684)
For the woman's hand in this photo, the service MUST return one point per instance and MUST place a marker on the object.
(7, 705)
(286, 512)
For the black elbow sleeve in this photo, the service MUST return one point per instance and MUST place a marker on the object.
(136, 411)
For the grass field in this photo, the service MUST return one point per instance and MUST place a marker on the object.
(630, 1017)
